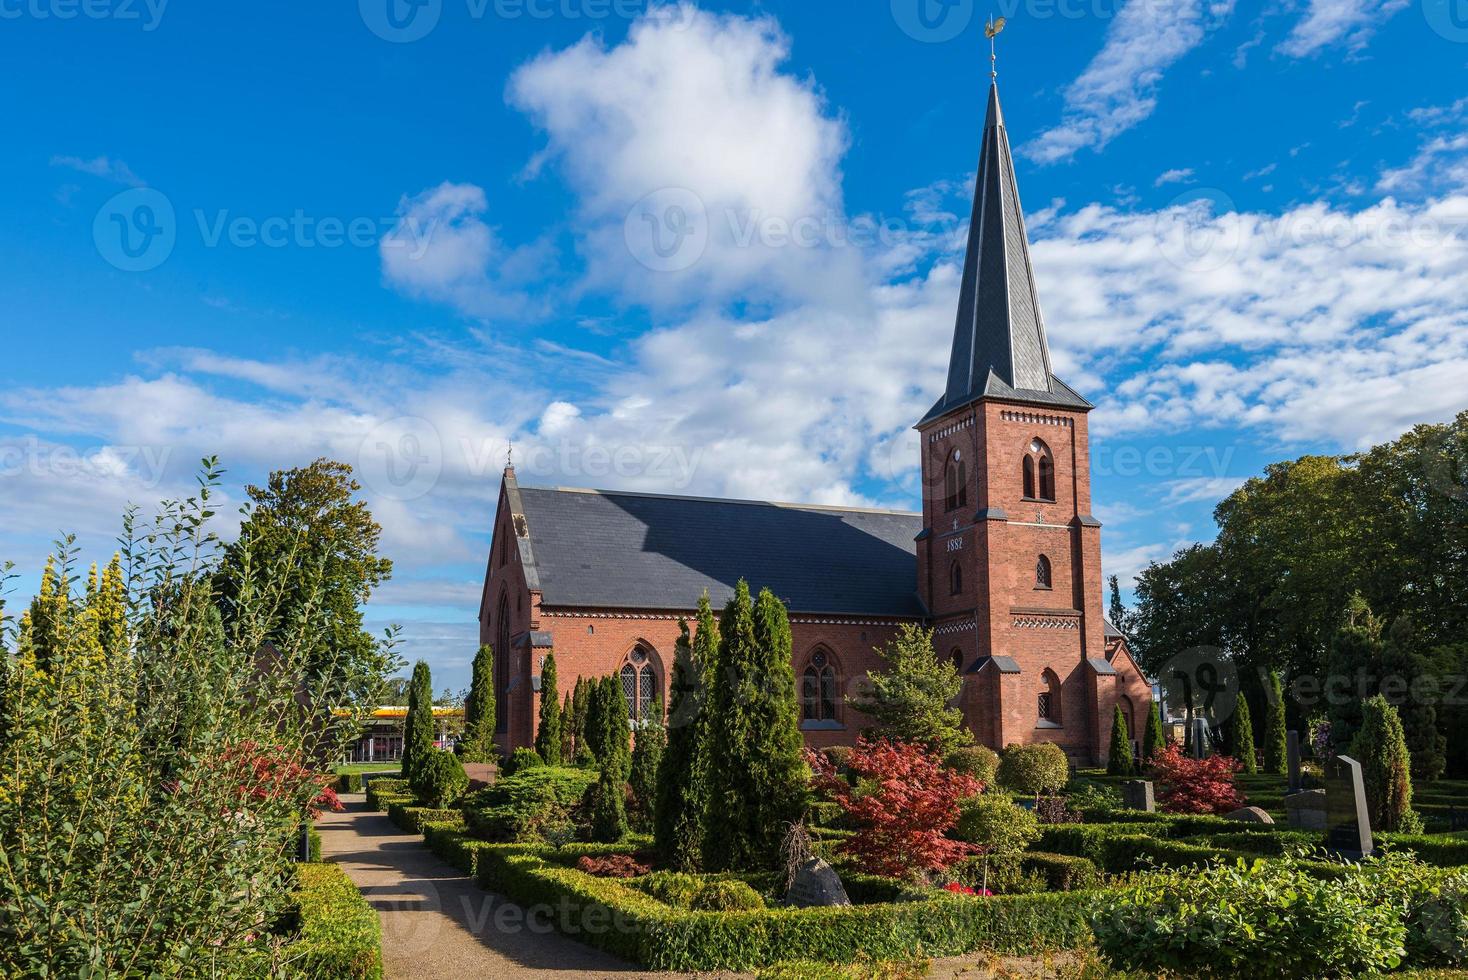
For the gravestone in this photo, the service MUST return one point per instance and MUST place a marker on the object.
(1292, 755)
(1137, 794)
(1249, 814)
(816, 884)
(1347, 822)
(1306, 809)
(1200, 739)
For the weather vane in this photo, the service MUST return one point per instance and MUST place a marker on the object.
(991, 31)
(510, 453)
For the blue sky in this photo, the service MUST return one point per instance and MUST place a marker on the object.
(403, 242)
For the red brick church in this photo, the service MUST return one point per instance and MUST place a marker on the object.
(1003, 563)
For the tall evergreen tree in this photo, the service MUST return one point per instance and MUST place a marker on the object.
(1275, 750)
(681, 801)
(596, 721)
(479, 710)
(1406, 670)
(1119, 758)
(568, 732)
(1241, 737)
(580, 709)
(1117, 612)
(650, 742)
(1386, 766)
(548, 733)
(418, 726)
(913, 700)
(609, 795)
(1155, 739)
(756, 770)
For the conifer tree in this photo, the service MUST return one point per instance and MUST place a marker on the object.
(548, 734)
(650, 743)
(913, 700)
(479, 709)
(596, 724)
(418, 726)
(1155, 739)
(580, 708)
(568, 733)
(1241, 740)
(756, 771)
(1402, 661)
(678, 822)
(609, 795)
(1119, 759)
(1274, 727)
(1386, 766)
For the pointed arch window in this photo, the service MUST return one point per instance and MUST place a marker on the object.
(956, 659)
(502, 664)
(1043, 574)
(818, 689)
(955, 482)
(640, 684)
(955, 579)
(1048, 702)
(1038, 472)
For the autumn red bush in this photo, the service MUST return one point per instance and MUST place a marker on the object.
(612, 866)
(903, 806)
(275, 772)
(1188, 785)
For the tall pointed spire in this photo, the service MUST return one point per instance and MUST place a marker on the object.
(999, 347)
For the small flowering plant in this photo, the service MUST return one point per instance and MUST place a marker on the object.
(959, 889)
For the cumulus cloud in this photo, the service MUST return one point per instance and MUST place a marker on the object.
(1331, 23)
(1119, 87)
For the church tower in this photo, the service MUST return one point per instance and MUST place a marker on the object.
(1009, 559)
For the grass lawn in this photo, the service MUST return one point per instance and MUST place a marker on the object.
(346, 768)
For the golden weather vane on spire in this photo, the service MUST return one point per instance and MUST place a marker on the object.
(991, 31)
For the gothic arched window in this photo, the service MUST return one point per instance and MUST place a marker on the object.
(1039, 472)
(1048, 707)
(955, 579)
(639, 684)
(956, 658)
(1042, 573)
(502, 664)
(955, 482)
(818, 688)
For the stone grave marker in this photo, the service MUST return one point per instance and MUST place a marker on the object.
(816, 884)
(1306, 809)
(1137, 794)
(1347, 822)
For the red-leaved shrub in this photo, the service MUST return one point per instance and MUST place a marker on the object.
(902, 822)
(275, 772)
(612, 866)
(1188, 785)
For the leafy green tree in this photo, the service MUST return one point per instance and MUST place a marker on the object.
(418, 727)
(1386, 767)
(914, 699)
(306, 533)
(1241, 740)
(1119, 756)
(682, 797)
(548, 734)
(1275, 749)
(1155, 739)
(756, 770)
(479, 710)
(650, 741)
(439, 779)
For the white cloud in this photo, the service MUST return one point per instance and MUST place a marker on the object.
(104, 167)
(1328, 23)
(1119, 87)
(1181, 175)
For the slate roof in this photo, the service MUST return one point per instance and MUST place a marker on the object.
(999, 346)
(596, 548)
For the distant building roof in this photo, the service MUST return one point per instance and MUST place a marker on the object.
(599, 548)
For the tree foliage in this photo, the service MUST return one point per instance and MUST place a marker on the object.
(682, 796)
(1034, 769)
(650, 741)
(1119, 754)
(1241, 738)
(479, 710)
(914, 699)
(418, 726)
(1276, 739)
(1188, 785)
(548, 732)
(1155, 739)
(1386, 767)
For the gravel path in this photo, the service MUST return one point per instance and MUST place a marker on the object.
(436, 922)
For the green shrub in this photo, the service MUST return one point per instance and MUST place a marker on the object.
(1062, 872)
(439, 779)
(378, 788)
(838, 755)
(727, 895)
(1033, 769)
(997, 824)
(529, 805)
(1119, 754)
(1386, 767)
(520, 760)
(1265, 918)
(339, 935)
(412, 819)
(674, 888)
(978, 761)
(1437, 922)
(606, 804)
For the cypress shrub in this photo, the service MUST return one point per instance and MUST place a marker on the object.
(1386, 766)
(1242, 729)
(418, 727)
(608, 802)
(1274, 727)
(568, 729)
(756, 769)
(651, 741)
(1155, 740)
(678, 815)
(1119, 757)
(548, 734)
(580, 707)
(479, 710)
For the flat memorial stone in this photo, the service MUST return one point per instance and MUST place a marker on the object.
(816, 884)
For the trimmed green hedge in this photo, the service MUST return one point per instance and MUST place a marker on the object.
(355, 782)
(411, 818)
(339, 937)
(613, 916)
(381, 792)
